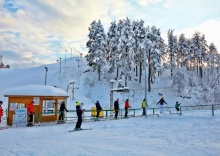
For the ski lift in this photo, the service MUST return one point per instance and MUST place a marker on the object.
(72, 87)
(119, 88)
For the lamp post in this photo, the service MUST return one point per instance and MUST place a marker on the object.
(78, 60)
(46, 76)
(111, 95)
(145, 81)
(60, 64)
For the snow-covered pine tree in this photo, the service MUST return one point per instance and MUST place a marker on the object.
(126, 48)
(189, 57)
(139, 36)
(212, 64)
(199, 49)
(154, 56)
(172, 49)
(117, 54)
(183, 50)
(97, 47)
(112, 44)
(212, 56)
(154, 47)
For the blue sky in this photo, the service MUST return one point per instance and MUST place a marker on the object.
(41, 31)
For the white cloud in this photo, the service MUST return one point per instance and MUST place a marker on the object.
(209, 28)
(47, 28)
(147, 2)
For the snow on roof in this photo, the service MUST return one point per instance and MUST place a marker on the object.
(122, 89)
(37, 90)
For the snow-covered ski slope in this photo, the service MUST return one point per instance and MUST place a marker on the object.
(195, 133)
(90, 89)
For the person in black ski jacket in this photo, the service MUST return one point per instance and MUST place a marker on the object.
(79, 112)
(161, 102)
(98, 108)
(116, 107)
(62, 108)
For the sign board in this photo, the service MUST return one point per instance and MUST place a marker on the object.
(13, 106)
(21, 105)
(20, 116)
(36, 100)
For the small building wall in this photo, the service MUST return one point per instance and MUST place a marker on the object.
(38, 108)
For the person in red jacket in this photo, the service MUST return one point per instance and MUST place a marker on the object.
(126, 108)
(1, 111)
(30, 112)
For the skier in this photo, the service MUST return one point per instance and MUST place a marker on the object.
(177, 105)
(98, 110)
(30, 112)
(79, 112)
(126, 107)
(143, 105)
(62, 108)
(116, 107)
(1, 111)
(161, 104)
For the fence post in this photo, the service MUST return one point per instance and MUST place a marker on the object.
(180, 110)
(153, 111)
(212, 110)
(38, 118)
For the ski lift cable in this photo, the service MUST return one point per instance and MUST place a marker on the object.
(186, 94)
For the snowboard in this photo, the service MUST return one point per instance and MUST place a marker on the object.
(80, 130)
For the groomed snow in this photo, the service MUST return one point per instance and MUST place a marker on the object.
(195, 133)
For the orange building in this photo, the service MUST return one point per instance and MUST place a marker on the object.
(47, 100)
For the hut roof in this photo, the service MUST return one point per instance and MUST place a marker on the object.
(36, 90)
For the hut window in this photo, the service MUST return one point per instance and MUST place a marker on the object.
(48, 107)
